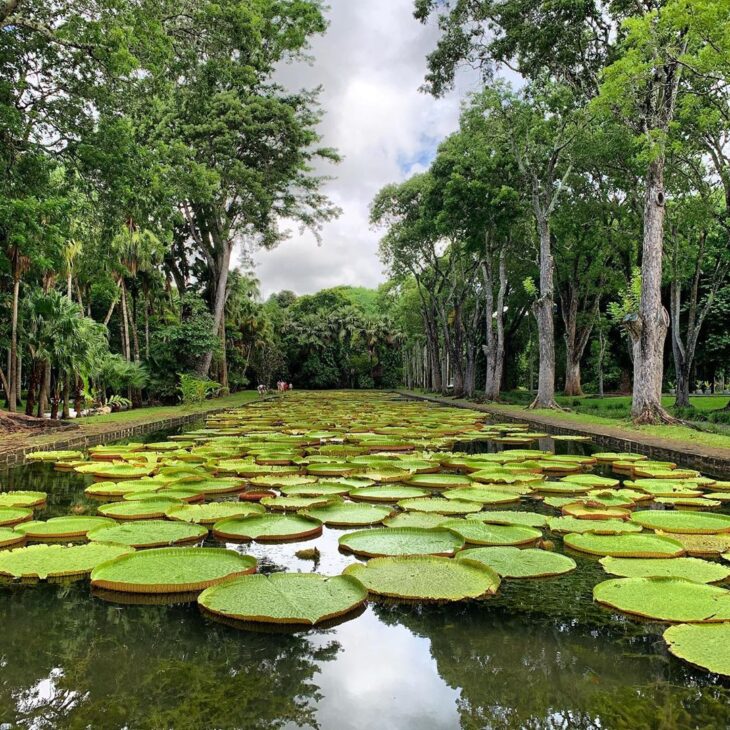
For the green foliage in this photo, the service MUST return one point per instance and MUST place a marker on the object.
(194, 390)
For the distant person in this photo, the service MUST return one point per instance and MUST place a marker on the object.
(291, 386)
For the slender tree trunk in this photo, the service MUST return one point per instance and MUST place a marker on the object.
(78, 397)
(147, 329)
(494, 347)
(650, 329)
(45, 387)
(66, 413)
(224, 359)
(125, 325)
(543, 311)
(32, 386)
(13, 368)
(601, 355)
(223, 263)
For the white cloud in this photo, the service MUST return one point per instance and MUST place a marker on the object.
(370, 63)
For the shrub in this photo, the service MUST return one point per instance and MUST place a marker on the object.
(194, 389)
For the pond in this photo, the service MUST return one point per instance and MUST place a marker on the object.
(539, 654)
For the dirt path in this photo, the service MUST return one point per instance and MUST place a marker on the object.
(708, 459)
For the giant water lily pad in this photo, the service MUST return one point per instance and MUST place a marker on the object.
(294, 504)
(22, 499)
(387, 493)
(665, 487)
(209, 485)
(705, 545)
(635, 545)
(63, 528)
(387, 541)
(666, 599)
(426, 578)
(285, 598)
(442, 506)
(704, 645)
(513, 562)
(10, 516)
(439, 481)
(318, 489)
(592, 480)
(283, 481)
(582, 511)
(483, 495)
(510, 517)
(349, 514)
(684, 522)
(143, 509)
(55, 561)
(207, 514)
(599, 527)
(416, 519)
(10, 537)
(700, 571)
(120, 489)
(116, 471)
(171, 570)
(268, 528)
(149, 533)
(54, 455)
(483, 533)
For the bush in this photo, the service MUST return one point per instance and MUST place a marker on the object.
(194, 389)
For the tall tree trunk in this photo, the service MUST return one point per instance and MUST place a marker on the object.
(147, 328)
(543, 311)
(44, 388)
(66, 413)
(32, 387)
(224, 359)
(125, 325)
(601, 355)
(494, 347)
(13, 365)
(223, 262)
(650, 329)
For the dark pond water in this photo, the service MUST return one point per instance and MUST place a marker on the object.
(540, 655)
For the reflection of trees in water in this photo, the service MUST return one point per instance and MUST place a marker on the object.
(71, 662)
(556, 667)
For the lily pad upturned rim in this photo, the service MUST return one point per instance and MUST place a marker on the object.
(703, 645)
(11, 516)
(309, 527)
(247, 564)
(63, 527)
(348, 514)
(371, 543)
(388, 493)
(691, 523)
(513, 562)
(10, 537)
(695, 569)
(133, 533)
(23, 498)
(476, 532)
(141, 509)
(200, 513)
(352, 595)
(620, 546)
(389, 577)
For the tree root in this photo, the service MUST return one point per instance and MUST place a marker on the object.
(552, 405)
(653, 415)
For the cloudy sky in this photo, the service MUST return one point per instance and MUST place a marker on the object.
(371, 63)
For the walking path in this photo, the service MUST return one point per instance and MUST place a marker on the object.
(94, 430)
(712, 460)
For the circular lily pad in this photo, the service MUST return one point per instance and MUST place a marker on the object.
(592, 480)
(318, 489)
(332, 469)
(390, 541)
(283, 481)
(9, 537)
(625, 546)
(581, 511)
(700, 571)
(206, 485)
(442, 506)
(207, 514)
(149, 533)
(599, 527)
(10, 516)
(707, 545)
(665, 599)
(285, 598)
(120, 489)
(268, 528)
(171, 570)
(483, 495)
(53, 455)
(294, 504)
(116, 471)
(686, 522)
(387, 493)
(426, 578)
(386, 474)
(63, 528)
(510, 517)
(22, 499)
(415, 519)
(55, 561)
(704, 645)
(348, 514)
(513, 562)
(143, 509)
(483, 533)
(439, 481)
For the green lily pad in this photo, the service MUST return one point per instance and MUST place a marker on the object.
(386, 474)
(55, 561)
(142, 509)
(149, 533)
(665, 599)
(348, 514)
(665, 487)
(483, 495)
(120, 489)
(294, 504)
(442, 506)
(700, 571)
(268, 528)
(504, 476)
(439, 481)
(426, 578)
(416, 519)
(9, 537)
(693, 502)
(285, 598)
(62, 528)
(513, 562)
(581, 511)
(171, 570)
(642, 545)
(283, 481)
(332, 469)
(390, 541)
(686, 522)
(703, 645)
(510, 517)
(483, 533)
(599, 527)
(53, 455)
(387, 493)
(10, 516)
(706, 545)
(116, 471)
(319, 489)
(207, 514)
(563, 488)
(209, 485)
(592, 480)
(22, 499)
